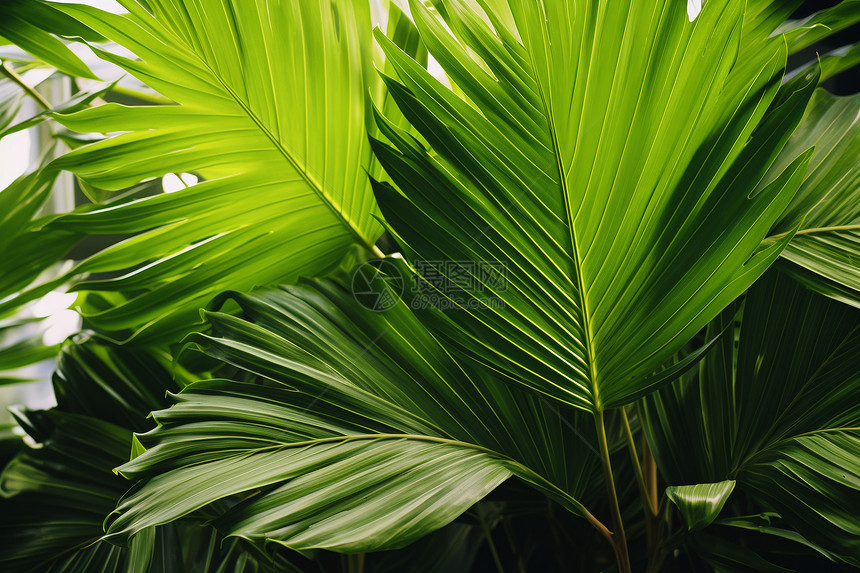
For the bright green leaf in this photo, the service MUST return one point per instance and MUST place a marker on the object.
(22, 22)
(624, 227)
(271, 113)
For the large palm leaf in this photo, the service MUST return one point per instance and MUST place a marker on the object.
(270, 111)
(622, 204)
(358, 431)
(359, 426)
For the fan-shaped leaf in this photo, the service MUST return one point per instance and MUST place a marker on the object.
(607, 169)
(271, 112)
(360, 432)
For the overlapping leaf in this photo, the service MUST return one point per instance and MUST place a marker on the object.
(825, 253)
(805, 32)
(77, 102)
(11, 97)
(25, 253)
(607, 154)
(43, 523)
(783, 422)
(359, 433)
(30, 255)
(55, 497)
(26, 24)
(27, 250)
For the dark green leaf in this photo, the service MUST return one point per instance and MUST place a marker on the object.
(778, 413)
(361, 432)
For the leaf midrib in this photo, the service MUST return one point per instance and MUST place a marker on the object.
(517, 468)
(315, 185)
(577, 278)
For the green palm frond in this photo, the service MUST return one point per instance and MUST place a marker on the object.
(54, 498)
(623, 205)
(628, 210)
(358, 432)
(270, 111)
(783, 421)
(595, 203)
(825, 252)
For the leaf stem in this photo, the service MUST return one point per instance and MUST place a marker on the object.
(10, 73)
(488, 535)
(648, 504)
(655, 522)
(618, 537)
(598, 525)
(355, 562)
(650, 470)
(814, 230)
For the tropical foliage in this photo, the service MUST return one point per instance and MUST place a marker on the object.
(465, 285)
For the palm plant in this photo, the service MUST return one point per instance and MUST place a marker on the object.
(622, 263)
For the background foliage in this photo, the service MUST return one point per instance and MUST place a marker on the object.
(666, 380)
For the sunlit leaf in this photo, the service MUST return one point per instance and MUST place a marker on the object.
(271, 113)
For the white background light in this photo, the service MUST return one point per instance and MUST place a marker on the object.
(53, 302)
(14, 157)
(172, 182)
(109, 5)
(61, 325)
(693, 8)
